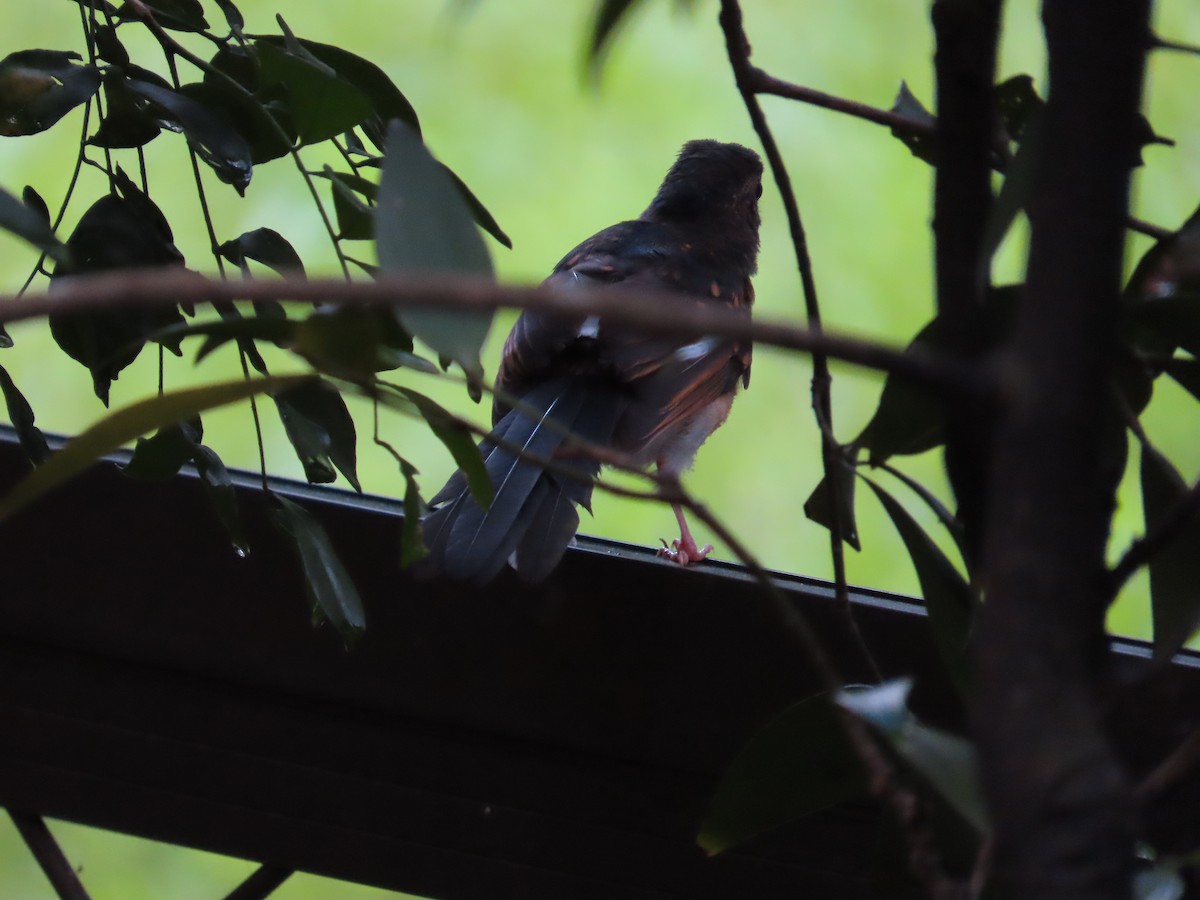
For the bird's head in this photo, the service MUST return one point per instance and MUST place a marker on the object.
(711, 184)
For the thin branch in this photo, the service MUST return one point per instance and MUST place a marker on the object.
(49, 855)
(1143, 549)
(762, 83)
(747, 77)
(651, 312)
(1160, 43)
(261, 884)
(1178, 763)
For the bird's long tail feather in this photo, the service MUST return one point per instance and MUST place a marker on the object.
(532, 517)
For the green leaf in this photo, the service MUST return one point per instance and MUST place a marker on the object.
(116, 232)
(1016, 190)
(1175, 569)
(218, 486)
(457, 439)
(1186, 372)
(20, 414)
(483, 218)
(949, 521)
(320, 428)
(422, 225)
(322, 103)
(161, 457)
(208, 131)
(180, 15)
(39, 87)
(412, 538)
(356, 343)
(608, 20)
(268, 247)
(800, 763)
(28, 222)
(327, 583)
(128, 121)
(819, 506)
(908, 420)
(251, 117)
(944, 761)
(1018, 103)
(233, 15)
(923, 146)
(123, 425)
(385, 99)
(354, 215)
(948, 598)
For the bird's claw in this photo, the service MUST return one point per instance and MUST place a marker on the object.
(684, 551)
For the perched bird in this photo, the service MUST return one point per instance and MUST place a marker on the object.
(646, 398)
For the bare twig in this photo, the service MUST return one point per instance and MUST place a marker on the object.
(1143, 549)
(261, 883)
(652, 312)
(762, 83)
(748, 79)
(49, 855)
(1178, 763)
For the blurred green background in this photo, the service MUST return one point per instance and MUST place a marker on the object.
(503, 101)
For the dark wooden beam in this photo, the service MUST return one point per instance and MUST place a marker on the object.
(509, 742)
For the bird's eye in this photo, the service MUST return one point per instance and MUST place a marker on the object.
(758, 192)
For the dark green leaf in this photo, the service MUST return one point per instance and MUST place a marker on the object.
(819, 506)
(946, 762)
(251, 117)
(949, 521)
(483, 218)
(116, 232)
(233, 15)
(161, 457)
(1016, 190)
(923, 144)
(801, 762)
(385, 99)
(322, 104)
(34, 201)
(1160, 325)
(455, 436)
(268, 247)
(6, 340)
(355, 217)
(109, 47)
(355, 343)
(179, 15)
(412, 539)
(319, 426)
(1186, 372)
(1175, 569)
(948, 598)
(608, 20)
(123, 425)
(422, 225)
(128, 121)
(909, 420)
(222, 497)
(30, 223)
(20, 414)
(209, 132)
(327, 583)
(39, 87)
(1018, 102)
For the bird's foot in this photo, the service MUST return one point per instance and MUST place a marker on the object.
(684, 551)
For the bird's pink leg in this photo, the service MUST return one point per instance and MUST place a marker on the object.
(684, 551)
